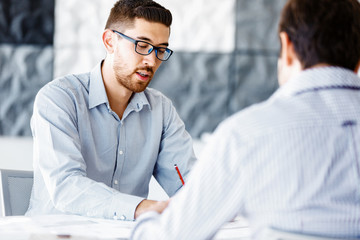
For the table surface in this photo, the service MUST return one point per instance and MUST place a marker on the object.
(83, 228)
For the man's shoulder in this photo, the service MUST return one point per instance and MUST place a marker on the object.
(66, 86)
(261, 118)
(71, 81)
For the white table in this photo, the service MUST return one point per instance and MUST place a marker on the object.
(73, 227)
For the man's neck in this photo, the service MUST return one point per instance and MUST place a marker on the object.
(117, 94)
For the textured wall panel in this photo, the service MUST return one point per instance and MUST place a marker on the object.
(81, 22)
(206, 78)
(225, 54)
(206, 88)
(255, 81)
(78, 37)
(30, 21)
(202, 25)
(206, 28)
(70, 60)
(199, 86)
(24, 69)
(256, 24)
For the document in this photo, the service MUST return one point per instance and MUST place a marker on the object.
(237, 229)
(73, 227)
(64, 227)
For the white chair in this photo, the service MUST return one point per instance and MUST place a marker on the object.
(274, 234)
(15, 191)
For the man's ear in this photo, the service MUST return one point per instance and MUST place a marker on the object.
(288, 54)
(109, 41)
(357, 67)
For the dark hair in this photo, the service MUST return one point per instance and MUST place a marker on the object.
(323, 31)
(124, 12)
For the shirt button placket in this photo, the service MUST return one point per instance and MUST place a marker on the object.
(120, 156)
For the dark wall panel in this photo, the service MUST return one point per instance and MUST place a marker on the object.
(27, 21)
(208, 87)
(24, 69)
(256, 24)
(205, 87)
(256, 80)
(26, 60)
(199, 86)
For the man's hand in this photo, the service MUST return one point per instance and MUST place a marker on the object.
(150, 205)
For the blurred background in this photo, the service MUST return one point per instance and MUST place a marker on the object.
(225, 55)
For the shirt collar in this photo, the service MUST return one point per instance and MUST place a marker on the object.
(138, 101)
(319, 78)
(97, 93)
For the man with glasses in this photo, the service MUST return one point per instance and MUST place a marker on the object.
(100, 136)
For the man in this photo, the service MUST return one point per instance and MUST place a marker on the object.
(292, 162)
(100, 136)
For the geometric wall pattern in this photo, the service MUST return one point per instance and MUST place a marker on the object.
(225, 55)
(26, 59)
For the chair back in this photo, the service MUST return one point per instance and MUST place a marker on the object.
(15, 191)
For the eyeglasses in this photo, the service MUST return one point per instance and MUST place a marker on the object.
(145, 48)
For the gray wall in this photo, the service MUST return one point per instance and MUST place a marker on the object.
(225, 55)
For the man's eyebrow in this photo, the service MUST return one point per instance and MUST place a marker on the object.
(149, 40)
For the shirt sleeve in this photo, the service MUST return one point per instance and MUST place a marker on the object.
(176, 147)
(206, 202)
(57, 155)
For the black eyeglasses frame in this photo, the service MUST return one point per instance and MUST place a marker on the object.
(166, 50)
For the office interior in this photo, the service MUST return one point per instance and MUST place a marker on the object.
(225, 60)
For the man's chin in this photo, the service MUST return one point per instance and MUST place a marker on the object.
(139, 89)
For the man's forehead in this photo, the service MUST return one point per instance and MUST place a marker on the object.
(154, 32)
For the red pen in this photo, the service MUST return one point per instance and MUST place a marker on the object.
(178, 171)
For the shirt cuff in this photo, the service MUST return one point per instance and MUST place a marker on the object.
(123, 207)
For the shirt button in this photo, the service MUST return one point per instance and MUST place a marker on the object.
(116, 182)
(121, 152)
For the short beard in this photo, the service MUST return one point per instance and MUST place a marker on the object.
(127, 82)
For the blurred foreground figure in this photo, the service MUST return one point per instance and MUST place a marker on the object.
(292, 162)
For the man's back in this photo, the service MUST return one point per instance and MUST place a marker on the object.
(304, 171)
(290, 163)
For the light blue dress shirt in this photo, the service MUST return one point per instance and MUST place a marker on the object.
(291, 163)
(89, 162)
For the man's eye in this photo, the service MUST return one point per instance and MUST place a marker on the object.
(162, 50)
(143, 45)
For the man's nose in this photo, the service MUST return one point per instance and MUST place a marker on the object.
(150, 59)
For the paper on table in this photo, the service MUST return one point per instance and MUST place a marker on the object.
(63, 227)
(238, 222)
(236, 229)
(86, 227)
(83, 228)
(47, 236)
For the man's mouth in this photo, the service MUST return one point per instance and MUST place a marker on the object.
(143, 76)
